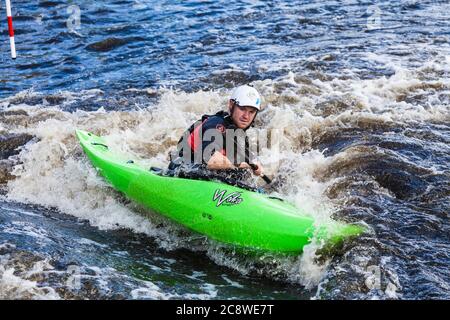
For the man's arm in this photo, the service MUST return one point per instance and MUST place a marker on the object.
(219, 162)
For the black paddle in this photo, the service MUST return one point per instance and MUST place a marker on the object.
(264, 177)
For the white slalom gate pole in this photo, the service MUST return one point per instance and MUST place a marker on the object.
(11, 30)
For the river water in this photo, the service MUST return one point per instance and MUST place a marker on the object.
(359, 92)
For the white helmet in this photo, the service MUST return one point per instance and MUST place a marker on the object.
(246, 96)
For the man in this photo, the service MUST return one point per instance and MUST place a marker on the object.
(217, 146)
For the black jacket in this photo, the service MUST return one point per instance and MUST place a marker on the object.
(209, 134)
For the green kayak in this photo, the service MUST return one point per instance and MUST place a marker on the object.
(238, 217)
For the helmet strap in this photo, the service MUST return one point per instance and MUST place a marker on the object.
(232, 107)
(254, 118)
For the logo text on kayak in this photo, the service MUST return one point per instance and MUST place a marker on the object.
(229, 200)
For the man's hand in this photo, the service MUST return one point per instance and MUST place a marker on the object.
(219, 162)
(259, 170)
(256, 171)
(244, 165)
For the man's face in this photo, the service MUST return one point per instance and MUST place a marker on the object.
(242, 116)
